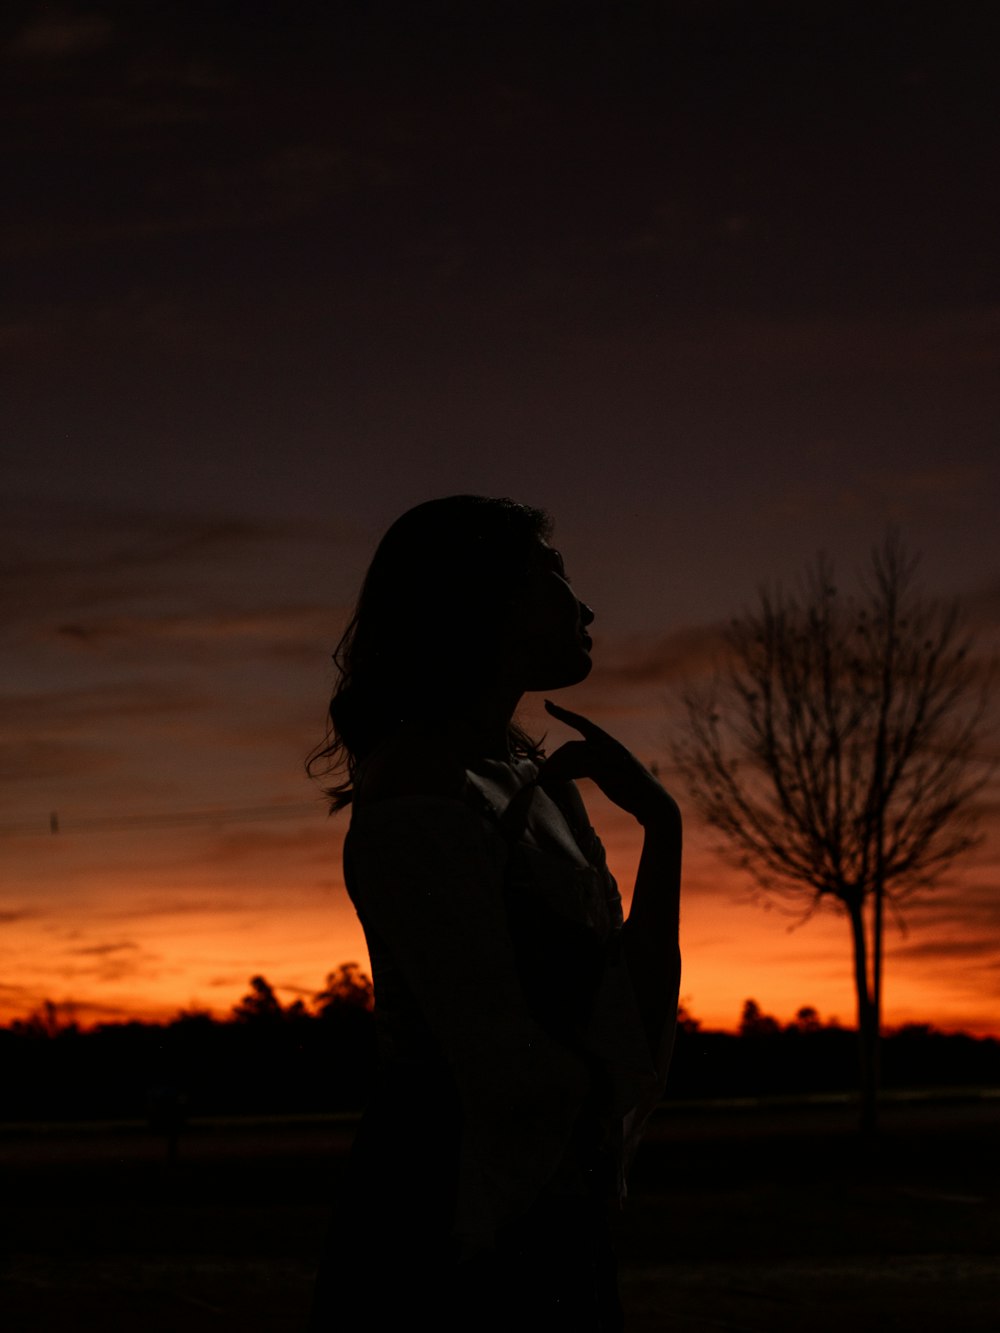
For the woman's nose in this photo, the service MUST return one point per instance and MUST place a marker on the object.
(586, 614)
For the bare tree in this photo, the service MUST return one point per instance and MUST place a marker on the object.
(836, 755)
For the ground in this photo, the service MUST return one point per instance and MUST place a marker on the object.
(754, 1218)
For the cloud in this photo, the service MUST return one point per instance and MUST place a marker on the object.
(119, 617)
(952, 948)
(59, 35)
(9, 990)
(282, 632)
(318, 841)
(684, 652)
(88, 1011)
(216, 903)
(54, 538)
(156, 658)
(39, 715)
(637, 685)
(197, 198)
(918, 499)
(934, 343)
(983, 603)
(61, 562)
(107, 962)
(104, 950)
(295, 179)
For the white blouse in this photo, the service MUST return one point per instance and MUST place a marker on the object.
(429, 878)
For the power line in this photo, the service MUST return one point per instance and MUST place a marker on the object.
(57, 823)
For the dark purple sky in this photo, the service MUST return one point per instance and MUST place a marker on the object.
(717, 283)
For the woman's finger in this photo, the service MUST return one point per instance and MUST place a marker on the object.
(576, 720)
(572, 760)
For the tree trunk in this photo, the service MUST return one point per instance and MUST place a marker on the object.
(866, 1020)
(878, 923)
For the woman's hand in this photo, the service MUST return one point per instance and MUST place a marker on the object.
(607, 762)
(650, 935)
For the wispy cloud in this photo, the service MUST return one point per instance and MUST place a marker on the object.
(58, 34)
(106, 963)
(284, 632)
(201, 640)
(316, 842)
(59, 556)
(8, 918)
(13, 991)
(684, 652)
(955, 949)
(70, 710)
(914, 498)
(183, 903)
(933, 343)
(104, 950)
(302, 178)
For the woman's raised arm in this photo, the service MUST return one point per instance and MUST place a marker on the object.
(652, 948)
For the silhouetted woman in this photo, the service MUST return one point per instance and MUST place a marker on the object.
(524, 1030)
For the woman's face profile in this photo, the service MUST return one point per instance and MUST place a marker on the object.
(550, 646)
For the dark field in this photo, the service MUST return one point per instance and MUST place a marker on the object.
(747, 1218)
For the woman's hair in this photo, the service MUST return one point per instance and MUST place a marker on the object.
(427, 625)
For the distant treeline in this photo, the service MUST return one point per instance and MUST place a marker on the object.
(269, 1058)
(265, 1058)
(766, 1058)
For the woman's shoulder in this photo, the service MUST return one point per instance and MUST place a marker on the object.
(411, 762)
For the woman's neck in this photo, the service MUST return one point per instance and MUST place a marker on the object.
(480, 728)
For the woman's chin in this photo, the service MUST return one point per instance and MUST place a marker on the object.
(567, 674)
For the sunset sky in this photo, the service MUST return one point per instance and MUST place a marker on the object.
(716, 283)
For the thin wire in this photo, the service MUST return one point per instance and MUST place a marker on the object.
(56, 823)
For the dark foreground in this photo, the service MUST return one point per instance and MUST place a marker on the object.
(749, 1219)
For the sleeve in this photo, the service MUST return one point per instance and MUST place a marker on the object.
(616, 1033)
(428, 873)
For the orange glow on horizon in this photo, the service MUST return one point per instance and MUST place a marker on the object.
(154, 933)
